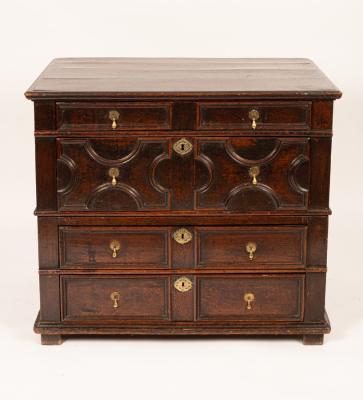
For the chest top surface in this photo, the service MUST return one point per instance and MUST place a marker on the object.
(182, 77)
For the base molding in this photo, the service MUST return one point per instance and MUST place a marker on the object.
(312, 333)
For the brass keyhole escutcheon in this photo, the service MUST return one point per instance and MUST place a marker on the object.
(114, 173)
(114, 115)
(182, 236)
(251, 248)
(183, 284)
(254, 115)
(249, 298)
(115, 247)
(253, 173)
(115, 297)
(182, 147)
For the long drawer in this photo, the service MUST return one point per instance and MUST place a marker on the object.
(207, 247)
(216, 174)
(115, 298)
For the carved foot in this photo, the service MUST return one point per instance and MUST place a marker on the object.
(51, 339)
(313, 339)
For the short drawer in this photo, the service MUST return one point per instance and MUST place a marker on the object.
(113, 116)
(101, 297)
(252, 297)
(257, 116)
(251, 247)
(114, 247)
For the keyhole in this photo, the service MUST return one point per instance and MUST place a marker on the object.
(183, 284)
(182, 146)
(182, 236)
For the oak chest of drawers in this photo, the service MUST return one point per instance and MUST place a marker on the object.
(182, 197)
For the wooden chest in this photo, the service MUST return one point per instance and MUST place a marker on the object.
(182, 197)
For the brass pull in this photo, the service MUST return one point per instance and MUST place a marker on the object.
(251, 247)
(253, 173)
(249, 298)
(115, 297)
(113, 173)
(254, 115)
(183, 284)
(114, 116)
(115, 247)
(182, 236)
(182, 147)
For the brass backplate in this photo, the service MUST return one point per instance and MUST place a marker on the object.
(254, 171)
(182, 147)
(113, 115)
(115, 245)
(253, 115)
(182, 236)
(183, 284)
(113, 172)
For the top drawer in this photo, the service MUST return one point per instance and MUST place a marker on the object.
(256, 116)
(113, 116)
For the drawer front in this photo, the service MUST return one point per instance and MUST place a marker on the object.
(114, 247)
(148, 174)
(252, 174)
(251, 247)
(111, 174)
(257, 116)
(262, 298)
(113, 116)
(105, 298)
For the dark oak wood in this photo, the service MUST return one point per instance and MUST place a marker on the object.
(225, 247)
(51, 339)
(87, 117)
(140, 247)
(133, 77)
(209, 191)
(88, 298)
(276, 298)
(272, 116)
(313, 339)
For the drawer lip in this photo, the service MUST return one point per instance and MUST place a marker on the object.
(165, 316)
(250, 232)
(297, 317)
(115, 232)
(202, 124)
(105, 126)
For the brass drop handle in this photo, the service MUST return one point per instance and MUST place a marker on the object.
(115, 297)
(115, 247)
(253, 173)
(251, 248)
(254, 115)
(249, 298)
(114, 115)
(114, 173)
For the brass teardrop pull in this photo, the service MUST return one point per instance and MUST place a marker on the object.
(115, 247)
(249, 298)
(251, 248)
(115, 297)
(254, 115)
(253, 173)
(114, 115)
(113, 173)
